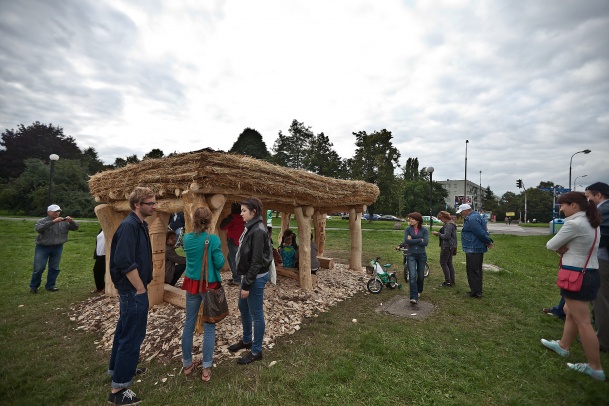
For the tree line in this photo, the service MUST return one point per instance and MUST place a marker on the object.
(25, 169)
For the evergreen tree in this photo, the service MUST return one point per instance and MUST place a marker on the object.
(291, 150)
(250, 143)
(322, 158)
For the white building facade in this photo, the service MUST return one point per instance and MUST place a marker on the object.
(459, 193)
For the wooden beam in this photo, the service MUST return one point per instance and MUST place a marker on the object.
(326, 263)
(355, 228)
(157, 227)
(293, 273)
(303, 218)
(319, 221)
(109, 219)
(175, 296)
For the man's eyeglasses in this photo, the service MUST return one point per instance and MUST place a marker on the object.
(150, 204)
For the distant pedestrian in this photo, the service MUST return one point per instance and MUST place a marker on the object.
(131, 272)
(475, 241)
(52, 234)
(234, 226)
(99, 267)
(448, 244)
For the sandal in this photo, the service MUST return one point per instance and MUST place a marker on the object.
(189, 369)
(204, 377)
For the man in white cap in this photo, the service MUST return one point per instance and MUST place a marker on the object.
(474, 243)
(52, 234)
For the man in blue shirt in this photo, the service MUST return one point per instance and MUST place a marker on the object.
(474, 243)
(131, 272)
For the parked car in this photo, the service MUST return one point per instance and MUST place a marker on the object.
(389, 217)
(375, 217)
(434, 219)
(345, 216)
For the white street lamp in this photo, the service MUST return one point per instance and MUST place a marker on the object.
(53, 158)
(575, 183)
(585, 151)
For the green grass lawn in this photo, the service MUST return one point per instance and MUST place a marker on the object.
(468, 352)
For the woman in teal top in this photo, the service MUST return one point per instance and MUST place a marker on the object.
(194, 245)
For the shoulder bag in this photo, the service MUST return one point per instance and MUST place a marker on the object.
(571, 279)
(214, 307)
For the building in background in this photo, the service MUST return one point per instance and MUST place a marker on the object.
(455, 188)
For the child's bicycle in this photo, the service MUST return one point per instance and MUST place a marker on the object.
(406, 273)
(381, 277)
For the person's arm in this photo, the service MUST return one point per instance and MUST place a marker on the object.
(406, 241)
(225, 222)
(134, 278)
(479, 231)
(566, 233)
(216, 252)
(124, 247)
(173, 256)
(44, 224)
(257, 250)
(422, 238)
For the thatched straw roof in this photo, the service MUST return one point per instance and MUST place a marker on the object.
(235, 176)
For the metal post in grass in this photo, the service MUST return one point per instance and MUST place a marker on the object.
(53, 158)
(430, 171)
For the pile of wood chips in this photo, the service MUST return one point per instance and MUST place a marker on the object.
(285, 306)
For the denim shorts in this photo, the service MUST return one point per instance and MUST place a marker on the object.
(590, 287)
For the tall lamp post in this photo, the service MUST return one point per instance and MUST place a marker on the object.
(53, 158)
(481, 195)
(465, 183)
(430, 171)
(575, 183)
(585, 151)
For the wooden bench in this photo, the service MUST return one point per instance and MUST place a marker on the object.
(326, 263)
(293, 273)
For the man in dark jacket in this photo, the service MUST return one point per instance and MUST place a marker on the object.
(52, 234)
(131, 272)
(474, 242)
(599, 194)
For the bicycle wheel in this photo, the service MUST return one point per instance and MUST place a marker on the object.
(375, 285)
(392, 283)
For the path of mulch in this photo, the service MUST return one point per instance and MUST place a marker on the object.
(285, 306)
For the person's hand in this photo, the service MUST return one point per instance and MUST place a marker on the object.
(409, 237)
(491, 245)
(562, 250)
(435, 233)
(140, 291)
(244, 294)
(58, 220)
(68, 219)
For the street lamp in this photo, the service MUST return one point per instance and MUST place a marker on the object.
(430, 171)
(575, 183)
(481, 195)
(465, 183)
(585, 151)
(53, 158)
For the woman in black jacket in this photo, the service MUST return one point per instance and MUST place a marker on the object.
(253, 260)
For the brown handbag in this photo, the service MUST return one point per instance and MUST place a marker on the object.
(214, 305)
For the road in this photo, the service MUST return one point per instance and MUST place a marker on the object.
(513, 229)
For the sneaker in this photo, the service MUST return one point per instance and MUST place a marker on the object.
(413, 301)
(547, 311)
(33, 290)
(53, 289)
(239, 346)
(249, 357)
(585, 368)
(123, 397)
(445, 284)
(553, 345)
(141, 371)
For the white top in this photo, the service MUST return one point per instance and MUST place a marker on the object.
(100, 247)
(577, 234)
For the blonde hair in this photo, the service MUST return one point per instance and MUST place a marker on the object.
(138, 195)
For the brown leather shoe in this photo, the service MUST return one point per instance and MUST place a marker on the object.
(239, 346)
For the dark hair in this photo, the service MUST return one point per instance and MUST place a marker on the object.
(599, 188)
(444, 215)
(201, 219)
(417, 216)
(235, 208)
(289, 233)
(253, 204)
(584, 205)
(169, 234)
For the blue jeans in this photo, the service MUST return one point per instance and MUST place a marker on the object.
(416, 273)
(128, 337)
(42, 255)
(193, 303)
(232, 260)
(558, 310)
(252, 311)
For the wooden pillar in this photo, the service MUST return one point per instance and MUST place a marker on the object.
(215, 204)
(192, 201)
(109, 219)
(157, 227)
(320, 232)
(355, 227)
(285, 224)
(222, 234)
(303, 219)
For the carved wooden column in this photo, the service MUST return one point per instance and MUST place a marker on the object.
(222, 234)
(285, 224)
(320, 232)
(355, 227)
(109, 219)
(303, 219)
(215, 204)
(192, 201)
(157, 227)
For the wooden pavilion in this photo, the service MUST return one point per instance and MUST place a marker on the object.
(216, 179)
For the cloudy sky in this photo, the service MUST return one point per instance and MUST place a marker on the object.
(526, 82)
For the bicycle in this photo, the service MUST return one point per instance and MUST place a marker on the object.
(380, 277)
(404, 251)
